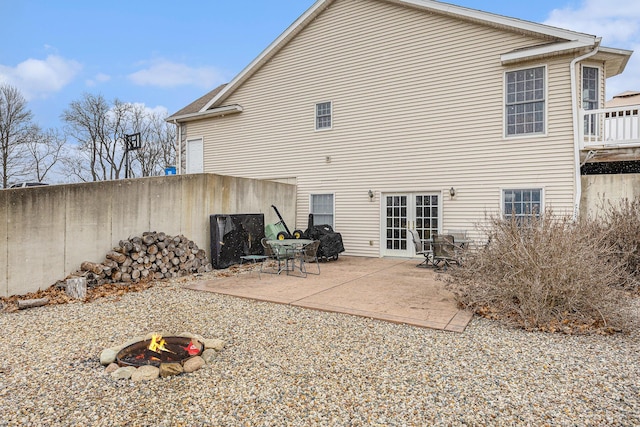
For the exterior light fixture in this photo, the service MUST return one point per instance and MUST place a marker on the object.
(370, 195)
(452, 192)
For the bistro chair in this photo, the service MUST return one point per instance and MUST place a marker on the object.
(422, 247)
(306, 255)
(272, 253)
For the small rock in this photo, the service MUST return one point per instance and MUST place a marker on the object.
(214, 343)
(111, 368)
(169, 369)
(145, 373)
(193, 364)
(209, 355)
(123, 373)
(108, 356)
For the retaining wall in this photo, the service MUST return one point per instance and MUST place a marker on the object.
(50, 230)
(600, 189)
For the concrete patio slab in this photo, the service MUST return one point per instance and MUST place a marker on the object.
(381, 288)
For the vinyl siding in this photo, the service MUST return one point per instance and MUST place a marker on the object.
(417, 106)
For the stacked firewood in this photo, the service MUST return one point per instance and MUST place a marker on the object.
(152, 256)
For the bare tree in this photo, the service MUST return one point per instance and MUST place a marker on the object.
(101, 129)
(158, 150)
(44, 150)
(15, 128)
(92, 123)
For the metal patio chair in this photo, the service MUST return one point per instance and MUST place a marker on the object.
(306, 255)
(445, 251)
(422, 247)
(272, 253)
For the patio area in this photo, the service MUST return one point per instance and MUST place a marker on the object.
(387, 289)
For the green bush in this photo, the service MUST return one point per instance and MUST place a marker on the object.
(549, 274)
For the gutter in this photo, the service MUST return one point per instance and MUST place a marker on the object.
(219, 111)
(576, 126)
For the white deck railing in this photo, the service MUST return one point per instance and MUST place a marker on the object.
(610, 127)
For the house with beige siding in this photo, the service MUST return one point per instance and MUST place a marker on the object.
(396, 114)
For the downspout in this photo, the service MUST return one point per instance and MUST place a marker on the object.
(179, 146)
(576, 126)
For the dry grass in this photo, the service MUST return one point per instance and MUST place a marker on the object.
(551, 274)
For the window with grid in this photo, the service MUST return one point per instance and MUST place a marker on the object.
(323, 115)
(322, 209)
(522, 203)
(525, 101)
(590, 97)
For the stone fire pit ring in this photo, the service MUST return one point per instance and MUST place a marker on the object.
(180, 353)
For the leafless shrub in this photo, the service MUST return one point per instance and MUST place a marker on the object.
(620, 227)
(549, 274)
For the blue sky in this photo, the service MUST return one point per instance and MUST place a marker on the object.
(161, 54)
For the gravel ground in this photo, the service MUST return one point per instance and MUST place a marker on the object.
(290, 366)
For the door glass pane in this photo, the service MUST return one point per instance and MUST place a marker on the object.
(427, 223)
(396, 222)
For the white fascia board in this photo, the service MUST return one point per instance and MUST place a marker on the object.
(317, 6)
(220, 111)
(505, 21)
(534, 52)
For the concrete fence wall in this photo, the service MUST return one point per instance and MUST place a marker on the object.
(613, 188)
(49, 231)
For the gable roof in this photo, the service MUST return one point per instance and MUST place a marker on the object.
(559, 41)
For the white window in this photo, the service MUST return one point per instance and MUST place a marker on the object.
(521, 203)
(525, 101)
(321, 206)
(590, 97)
(323, 115)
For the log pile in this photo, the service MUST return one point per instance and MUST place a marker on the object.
(152, 256)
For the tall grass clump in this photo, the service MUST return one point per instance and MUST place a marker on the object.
(550, 274)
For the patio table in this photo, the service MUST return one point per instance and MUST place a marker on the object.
(288, 247)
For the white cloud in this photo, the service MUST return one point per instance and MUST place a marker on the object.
(37, 78)
(617, 22)
(99, 78)
(157, 110)
(165, 73)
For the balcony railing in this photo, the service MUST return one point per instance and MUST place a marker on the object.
(610, 127)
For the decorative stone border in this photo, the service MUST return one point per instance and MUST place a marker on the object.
(144, 373)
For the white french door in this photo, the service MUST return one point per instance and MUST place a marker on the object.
(418, 211)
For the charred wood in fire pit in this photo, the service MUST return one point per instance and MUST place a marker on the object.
(139, 354)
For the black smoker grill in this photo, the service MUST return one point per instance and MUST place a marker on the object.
(330, 241)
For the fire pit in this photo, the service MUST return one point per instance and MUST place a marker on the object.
(159, 350)
(152, 356)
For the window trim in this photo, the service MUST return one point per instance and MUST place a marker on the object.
(505, 134)
(596, 123)
(315, 116)
(333, 208)
(522, 188)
